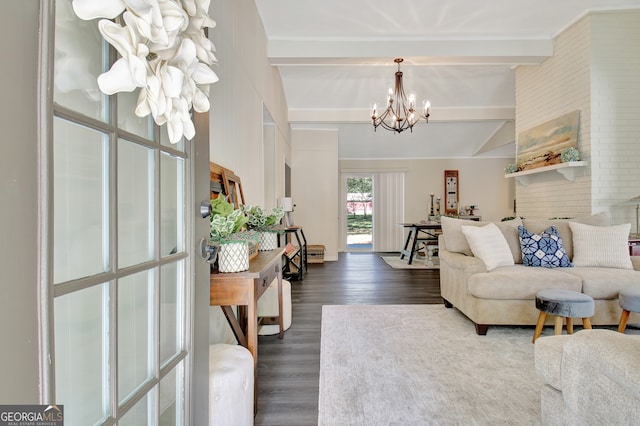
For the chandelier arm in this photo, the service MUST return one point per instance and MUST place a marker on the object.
(403, 114)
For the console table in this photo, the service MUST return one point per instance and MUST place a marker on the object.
(291, 268)
(429, 228)
(243, 289)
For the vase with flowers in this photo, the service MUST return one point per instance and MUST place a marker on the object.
(229, 232)
(267, 225)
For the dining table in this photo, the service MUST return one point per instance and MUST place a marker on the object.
(419, 232)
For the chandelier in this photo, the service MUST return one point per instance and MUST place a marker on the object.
(400, 113)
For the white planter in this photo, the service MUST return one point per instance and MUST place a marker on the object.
(268, 241)
(233, 257)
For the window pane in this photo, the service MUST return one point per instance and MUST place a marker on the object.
(79, 54)
(171, 397)
(139, 414)
(171, 204)
(128, 120)
(135, 332)
(81, 320)
(171, 316)
(80, 201)
(135, 203)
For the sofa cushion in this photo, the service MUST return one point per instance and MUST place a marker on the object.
(545, 249)
(489, 245)
(454, 239)
(520, 282)
(537, 226)
(456, 242)
(604, 283)
(603, 246)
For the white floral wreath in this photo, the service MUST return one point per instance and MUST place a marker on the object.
(163, 51)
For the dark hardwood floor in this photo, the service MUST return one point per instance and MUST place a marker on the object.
(288, 369)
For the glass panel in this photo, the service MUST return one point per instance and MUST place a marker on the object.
(171, 204)
(81, 320)
(171, 397)
(79, 54)
(140, 414)
(128, 120)
(164, 140)
(171, 315)
(80, 201)
(135, 203)
(135, 332)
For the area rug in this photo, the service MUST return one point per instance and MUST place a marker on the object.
(423, 365)
(418, 263)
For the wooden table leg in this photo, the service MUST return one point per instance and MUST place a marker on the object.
(557, 329)
(406, 244)
(541, 317)
(280, 306)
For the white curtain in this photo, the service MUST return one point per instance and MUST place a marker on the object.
(388, 211)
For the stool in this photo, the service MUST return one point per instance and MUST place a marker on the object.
(629, 300)
(230, 385)
(268, 308)
(563, 304)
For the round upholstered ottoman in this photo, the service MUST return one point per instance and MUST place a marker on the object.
(268, 308)
(231, 381)
(565, 304)
(629, 300)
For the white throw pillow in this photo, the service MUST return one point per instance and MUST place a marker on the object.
(489, 245)
(601, 246)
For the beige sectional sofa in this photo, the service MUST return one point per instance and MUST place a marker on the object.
(506, 294)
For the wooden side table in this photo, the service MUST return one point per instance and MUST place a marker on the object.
(243, 289)
(634, 246)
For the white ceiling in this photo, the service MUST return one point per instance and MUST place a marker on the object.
(336, 59)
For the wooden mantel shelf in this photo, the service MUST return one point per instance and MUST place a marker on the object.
(567, 170)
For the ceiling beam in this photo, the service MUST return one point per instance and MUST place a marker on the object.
(361, 115)
(418, 52)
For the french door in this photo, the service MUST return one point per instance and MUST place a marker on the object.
(119, 317)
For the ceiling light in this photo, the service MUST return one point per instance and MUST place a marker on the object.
(400, 113)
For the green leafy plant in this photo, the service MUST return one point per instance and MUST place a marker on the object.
(229, 225)
(570, 154)
(259, 220)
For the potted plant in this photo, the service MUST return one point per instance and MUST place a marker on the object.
(267, 225)
(228, 231)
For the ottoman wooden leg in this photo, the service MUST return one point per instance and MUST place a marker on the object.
(569, 325)
(586, 323)
(557, 329)
(539, 326)
(624, 317)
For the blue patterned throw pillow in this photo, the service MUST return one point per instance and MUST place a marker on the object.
(544, 250)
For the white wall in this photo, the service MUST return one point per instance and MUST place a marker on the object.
(615, 108)
(482, 183)
(247, 86)
(594, 70)
(315, 187)
(543, 92)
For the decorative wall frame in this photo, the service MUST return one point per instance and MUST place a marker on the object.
(543, 145)
(451, 192)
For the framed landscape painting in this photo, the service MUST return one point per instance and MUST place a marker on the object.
(542, 145)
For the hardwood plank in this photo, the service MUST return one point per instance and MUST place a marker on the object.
(288, 369)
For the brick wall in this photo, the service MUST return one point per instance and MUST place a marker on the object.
(595, 69)
(559, 85)
(615, 109)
